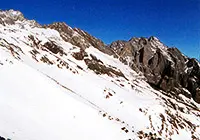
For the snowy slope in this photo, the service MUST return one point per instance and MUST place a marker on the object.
(33, 107)
(46, 93)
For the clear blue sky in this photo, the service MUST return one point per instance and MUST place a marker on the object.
(174, 22)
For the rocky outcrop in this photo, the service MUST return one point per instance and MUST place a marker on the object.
(79, 37)
(2, 138)
(165, 68)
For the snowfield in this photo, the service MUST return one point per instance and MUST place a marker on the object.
(34, 107)
(53, 96)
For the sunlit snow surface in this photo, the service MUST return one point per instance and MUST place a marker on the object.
(41, 101)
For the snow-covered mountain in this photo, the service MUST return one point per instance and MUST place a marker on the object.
(62, 83)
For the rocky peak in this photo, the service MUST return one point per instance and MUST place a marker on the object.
(165, 68)
(12, 14)
(153, 38)
(10, 17)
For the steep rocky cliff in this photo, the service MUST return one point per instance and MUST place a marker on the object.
(164, 67)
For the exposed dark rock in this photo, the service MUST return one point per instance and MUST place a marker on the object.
(96, 59)
(99, 68)
(80, 55)
(165, 68)
(51, 46)
(46, 60)
(2, 138)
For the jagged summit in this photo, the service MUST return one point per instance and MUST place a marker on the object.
(12, 14)
(11, 17)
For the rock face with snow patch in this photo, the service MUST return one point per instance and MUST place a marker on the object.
(11, 17)
(165, 68)
(79, 37)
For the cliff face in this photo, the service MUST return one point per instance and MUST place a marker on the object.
(165, 68)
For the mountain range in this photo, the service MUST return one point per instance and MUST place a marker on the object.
(59, 82)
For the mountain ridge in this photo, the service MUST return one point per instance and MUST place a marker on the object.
(84, 40)
(64, 77)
